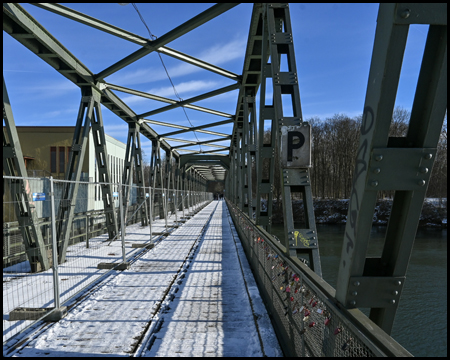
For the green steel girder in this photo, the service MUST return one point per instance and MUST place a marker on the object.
(195, 99)
(201, 142)
(270, 34)
(200, 159)
(126, 35)
(197, 128)
(89, 115)
(377, 283)
(18, 22)
(184, 28)
(20, 189)
(250, 140)
(43, 44)
(133, 154)
(166, 100)
(168, 180)
(156, 180)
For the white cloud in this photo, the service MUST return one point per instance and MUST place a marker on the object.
(222, 53)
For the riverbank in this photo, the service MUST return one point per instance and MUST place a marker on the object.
(328, 211)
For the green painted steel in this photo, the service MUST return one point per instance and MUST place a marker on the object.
(89, 114)
(156, 180)
(133, 155)
(14, 165)
(387, 163)
(272, 37)
(383, 163)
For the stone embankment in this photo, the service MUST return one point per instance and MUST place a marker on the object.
(328, 211)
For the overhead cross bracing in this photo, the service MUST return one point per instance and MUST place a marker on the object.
(27, 30)
(245, 149)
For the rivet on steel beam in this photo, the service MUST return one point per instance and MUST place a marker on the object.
(378, 157)
(395, 292)
(392, 301)
(353, 303)
(376, 170)
(354, 293)
(356, 283)
(398, 283)
(428, 156)
(405, 13)
(374, 183)
(421, 182)
(423, 170)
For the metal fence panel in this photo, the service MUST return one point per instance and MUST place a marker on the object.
(27, 289)
(307, 322)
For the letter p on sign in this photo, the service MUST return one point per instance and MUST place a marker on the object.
(296, 146)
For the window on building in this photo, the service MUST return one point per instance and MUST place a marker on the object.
(53, 159)
(62, 159)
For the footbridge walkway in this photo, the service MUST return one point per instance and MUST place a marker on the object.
(178, 284)
(192, 294)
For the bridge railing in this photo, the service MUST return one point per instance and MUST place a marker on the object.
(36, 284)
(306, 317)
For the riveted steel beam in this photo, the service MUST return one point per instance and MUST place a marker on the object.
(200, 143)
(197, 128)
(20, 190)
(410, 158)
(184, 28)
(126, 35)
(89, 115)
(133, 155)
(156, 180)
(162, 99)
(195, 99)
(202, 159)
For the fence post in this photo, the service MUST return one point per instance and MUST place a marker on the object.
(87, 231)
(122, 223)
(164, 200)
(150, 211)
(54, 247)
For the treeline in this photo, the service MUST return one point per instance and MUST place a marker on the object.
(334, 146)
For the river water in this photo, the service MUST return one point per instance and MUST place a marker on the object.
(421, 321)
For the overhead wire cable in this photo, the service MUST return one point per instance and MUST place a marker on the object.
(153, 37)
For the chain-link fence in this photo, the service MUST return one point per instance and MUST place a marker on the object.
(42, 272)
(308, 321)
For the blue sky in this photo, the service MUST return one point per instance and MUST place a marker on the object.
(333, 48)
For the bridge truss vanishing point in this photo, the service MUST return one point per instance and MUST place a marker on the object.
(383, 163)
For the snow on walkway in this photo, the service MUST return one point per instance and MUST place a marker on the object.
(112, 319)
(210, 315)
(21, 289)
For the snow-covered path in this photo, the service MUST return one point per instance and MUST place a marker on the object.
(210, 314)
(22, 289)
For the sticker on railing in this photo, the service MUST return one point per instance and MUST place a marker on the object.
(38, 196)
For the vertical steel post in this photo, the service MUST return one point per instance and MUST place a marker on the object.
(90, 112)
(122, 220)
(21, 193)
(56, 293)
(401, 164)
(150, 219)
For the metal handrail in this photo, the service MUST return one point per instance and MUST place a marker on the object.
(368, 338)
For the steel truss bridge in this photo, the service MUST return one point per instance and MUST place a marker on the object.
(400, 164)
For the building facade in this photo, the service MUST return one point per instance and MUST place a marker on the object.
(46, 151)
